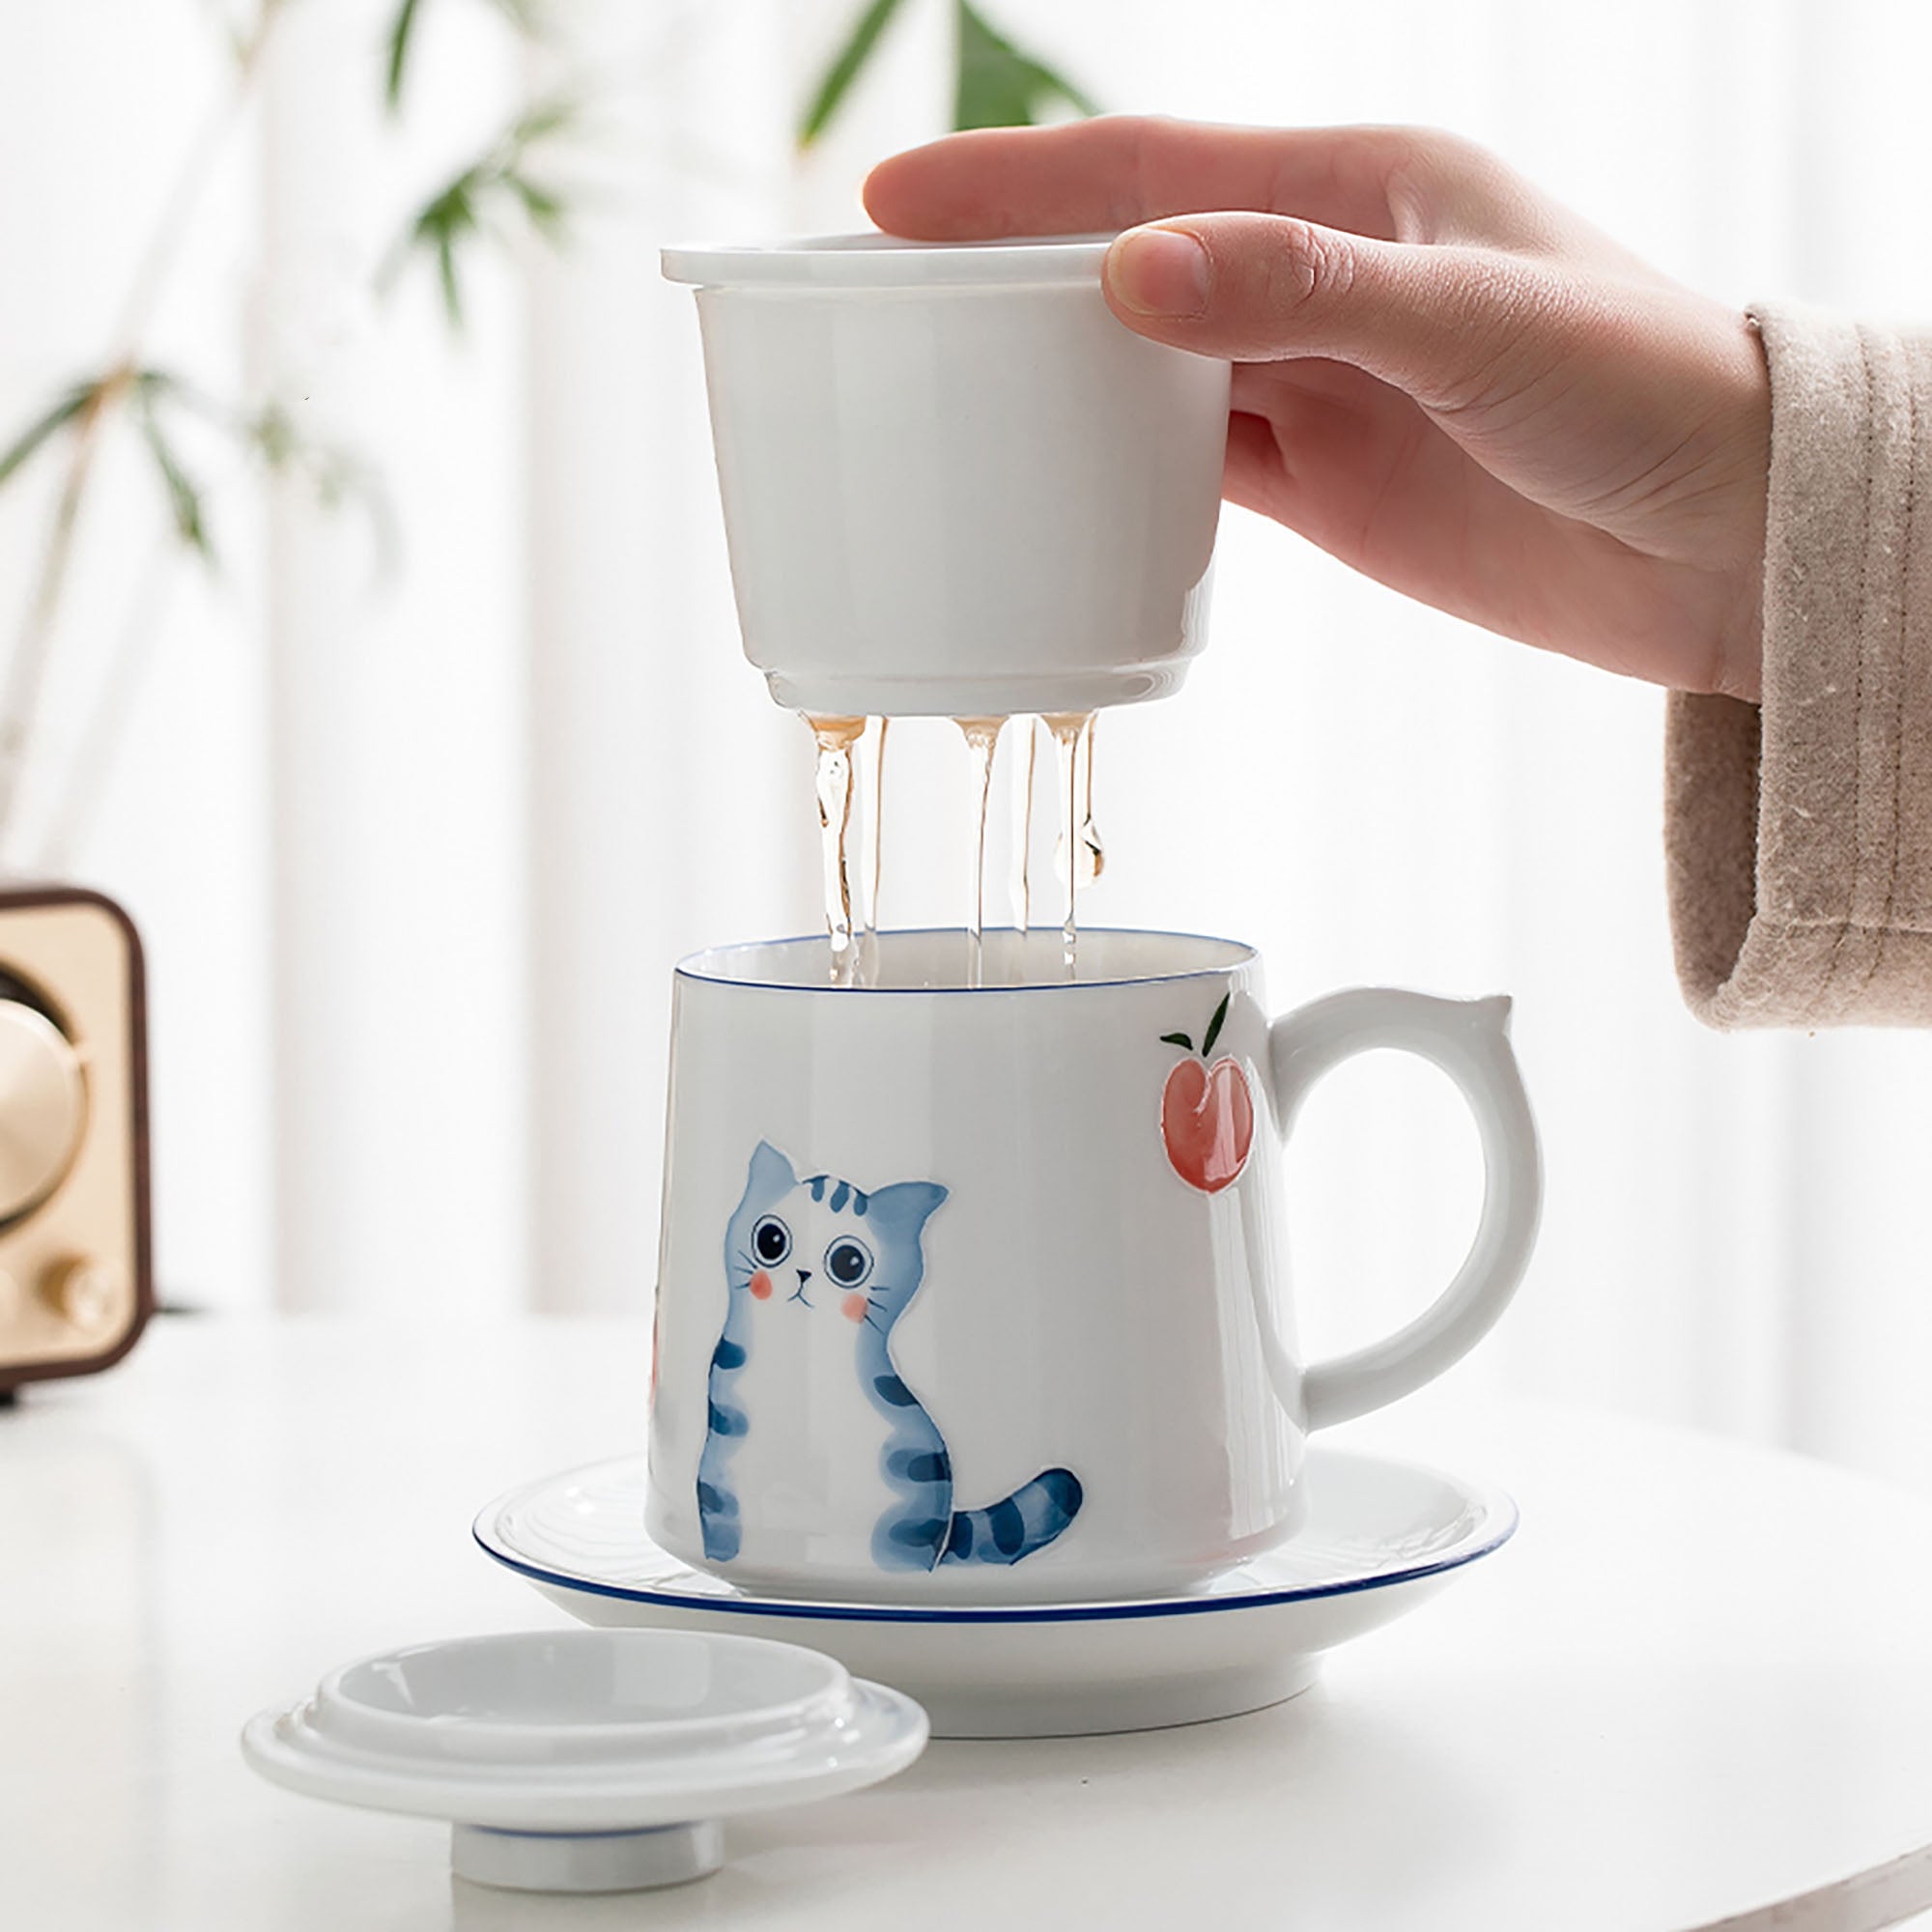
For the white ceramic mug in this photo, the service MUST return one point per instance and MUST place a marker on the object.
(953, 484)
(981, 1295)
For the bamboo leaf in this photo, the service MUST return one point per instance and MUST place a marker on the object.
(543, 205)
(1216, 1024)
(151, 385)
(538, 122)
(185, 499)
(1001, 87)
(1179, 1040)
(845, 68)
(446, 277)
(402, 30)
(463, 207)
(441, 221)
(522, 14)
(273, 433)
(46, 426)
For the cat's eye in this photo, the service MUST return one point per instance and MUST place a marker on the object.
(848, 1262)
(771, 1240)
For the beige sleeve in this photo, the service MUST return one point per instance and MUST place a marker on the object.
(1799, 831)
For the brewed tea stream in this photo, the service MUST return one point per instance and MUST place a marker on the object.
(982, 735)
(1093, 856)
(875, 792)
(1019, 880)
(842, 774)
(1077, 854)
(836, 737)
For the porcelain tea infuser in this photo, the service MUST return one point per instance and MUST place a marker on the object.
(954, 485)
(587, 1760)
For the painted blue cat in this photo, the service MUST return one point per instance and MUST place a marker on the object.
(819, 1271)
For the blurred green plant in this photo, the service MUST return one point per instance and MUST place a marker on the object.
(522, 14)
(511, 184)
(74, 424)
(1001, 87)
(485, 198)
(995, 85)
(473, 201)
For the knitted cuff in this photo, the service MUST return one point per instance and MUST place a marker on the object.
(1799, 831)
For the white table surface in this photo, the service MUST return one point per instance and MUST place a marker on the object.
(1695, 1691)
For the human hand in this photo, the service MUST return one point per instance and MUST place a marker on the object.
(1442, 378)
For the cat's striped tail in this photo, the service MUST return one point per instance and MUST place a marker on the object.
(1028, 1519)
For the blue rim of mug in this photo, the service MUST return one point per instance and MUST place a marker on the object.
(1497, 1521)
(1245, 955)
(878, 261)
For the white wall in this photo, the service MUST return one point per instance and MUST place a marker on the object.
(413, 865)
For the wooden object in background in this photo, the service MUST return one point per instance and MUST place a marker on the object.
(76, 1278)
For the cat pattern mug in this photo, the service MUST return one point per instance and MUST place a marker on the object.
(981, 1295)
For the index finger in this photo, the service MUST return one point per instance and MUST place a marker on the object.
(1121, 170)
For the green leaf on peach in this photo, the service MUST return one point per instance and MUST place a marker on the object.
(1216, 1024)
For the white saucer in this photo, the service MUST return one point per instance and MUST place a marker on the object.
(1381, 1536)
(587, 1760)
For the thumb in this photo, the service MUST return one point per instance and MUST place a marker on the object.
(1445, 324)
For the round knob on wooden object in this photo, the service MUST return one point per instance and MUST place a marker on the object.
(83, 1290)
(43, 1107)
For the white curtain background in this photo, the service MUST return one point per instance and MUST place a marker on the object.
(414, 853)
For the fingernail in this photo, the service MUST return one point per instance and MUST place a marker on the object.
(1160, 272)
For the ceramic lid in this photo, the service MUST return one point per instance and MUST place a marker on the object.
(587, 1759)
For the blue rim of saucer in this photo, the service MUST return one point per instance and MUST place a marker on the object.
(1496, 1522)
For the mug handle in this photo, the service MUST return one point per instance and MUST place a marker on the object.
(1469, 1039)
